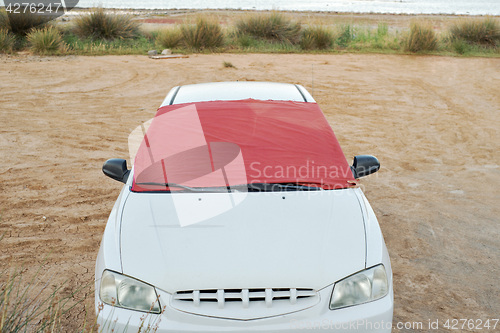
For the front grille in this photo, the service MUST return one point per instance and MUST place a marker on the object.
(268, 296)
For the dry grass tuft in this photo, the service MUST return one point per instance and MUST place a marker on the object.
(422, 37)
(206, 33)
(101, 25)
(477, 31)
(169, 38)
(228, 64)
(316, 38)
(46, 41)
(274, 27)
(7, 41)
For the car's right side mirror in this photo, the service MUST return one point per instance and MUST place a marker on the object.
(364, 165)
(116, 168)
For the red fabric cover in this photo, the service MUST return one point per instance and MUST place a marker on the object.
(226, 143)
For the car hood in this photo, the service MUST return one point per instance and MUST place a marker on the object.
(193, 241)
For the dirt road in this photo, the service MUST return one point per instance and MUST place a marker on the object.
(433, 122)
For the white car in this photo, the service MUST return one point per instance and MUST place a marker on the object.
(241, 214)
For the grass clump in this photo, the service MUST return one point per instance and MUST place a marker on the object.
(20, 311)
(477, 31)
(93, 47)
(4, 20)
(460, 46)
(422, 37)
(101, 25)
(246, 41)
(378, 40)
(28, 304)
(228, 64)
(7, 41)
(21, 23)
(252, 44)
(274, 27)
(316, 38)
(382, 30)
(345, 36)
(47, 40)
(169, 38)
(206, 33)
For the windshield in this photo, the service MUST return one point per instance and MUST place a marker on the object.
(240, 144)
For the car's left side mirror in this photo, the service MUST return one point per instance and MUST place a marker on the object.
(116, 168)
(364, 165)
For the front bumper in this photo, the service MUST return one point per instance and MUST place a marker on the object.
(370, 317)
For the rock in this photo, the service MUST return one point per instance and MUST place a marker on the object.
(152, 53)
(166, 51)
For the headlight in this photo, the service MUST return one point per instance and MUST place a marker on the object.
(365, 286)
(123, 291)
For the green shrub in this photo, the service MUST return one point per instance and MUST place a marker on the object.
(460, 46)
(316, 38)
(346, 36)
(307, 41)
(368, 38)
(246, 41)
(382, 30)
(422, 37)
(169, 38)
(205, 34)
(274, 26)
(477, 31)
(45, 41)
(101, 25)
(6, 41)
(88, 46)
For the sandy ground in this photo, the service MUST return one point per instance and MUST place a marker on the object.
(432, 121)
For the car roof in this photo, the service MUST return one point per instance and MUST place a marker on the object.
(231, 91)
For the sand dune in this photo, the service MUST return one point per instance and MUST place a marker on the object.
(432, 121)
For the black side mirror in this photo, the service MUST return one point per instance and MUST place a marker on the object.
(116, 168)
(364, 165)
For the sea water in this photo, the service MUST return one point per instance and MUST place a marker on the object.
(459, 7)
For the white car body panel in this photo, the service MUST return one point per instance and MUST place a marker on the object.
(375, 245)
(318, 239)
(109, 255)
